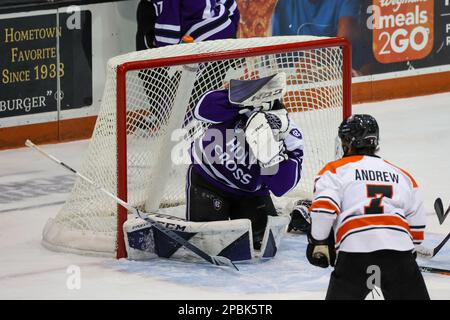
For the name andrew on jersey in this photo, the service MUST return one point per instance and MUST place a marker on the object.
(374, 175)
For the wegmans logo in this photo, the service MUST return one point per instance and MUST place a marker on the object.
(402, 29)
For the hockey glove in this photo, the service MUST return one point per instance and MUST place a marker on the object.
(279, 123)
(321, 253)
(300, 219)
(259, 136)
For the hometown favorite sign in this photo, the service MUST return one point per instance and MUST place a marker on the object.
(29, 69)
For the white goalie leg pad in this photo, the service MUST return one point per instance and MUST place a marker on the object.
(275, 229)
(261, 140)
(139, 239)
(231, 239)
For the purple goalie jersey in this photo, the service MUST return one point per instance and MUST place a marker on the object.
(223, 158)
(201, 19)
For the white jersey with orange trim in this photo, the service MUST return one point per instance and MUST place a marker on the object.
(370, 204)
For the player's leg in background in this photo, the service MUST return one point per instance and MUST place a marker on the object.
(255, 208)
(401, 278)
(146, 17)
(203, 201)
(348, 280)
(159, 88)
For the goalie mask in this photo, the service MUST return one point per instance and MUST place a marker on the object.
(265, 92)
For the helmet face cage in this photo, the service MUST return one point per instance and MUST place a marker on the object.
(359, 131)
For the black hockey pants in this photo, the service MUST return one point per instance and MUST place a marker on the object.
(396, 272)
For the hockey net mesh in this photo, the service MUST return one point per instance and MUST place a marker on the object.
(160, 127)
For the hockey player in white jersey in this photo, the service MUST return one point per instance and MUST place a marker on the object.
(371, 214)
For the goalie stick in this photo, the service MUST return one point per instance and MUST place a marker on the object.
(216, 260)
(439, 208)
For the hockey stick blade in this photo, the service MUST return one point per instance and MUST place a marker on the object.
(439, 208)
(439, 246)
(220, 261)
(434, 270)
(216, 260)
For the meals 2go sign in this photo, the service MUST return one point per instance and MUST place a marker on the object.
(402, 29)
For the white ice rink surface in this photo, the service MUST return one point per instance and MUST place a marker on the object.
(415, 134)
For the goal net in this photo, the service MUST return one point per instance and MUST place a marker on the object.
(139, 148)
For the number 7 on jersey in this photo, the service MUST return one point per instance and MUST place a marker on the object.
(376, 193)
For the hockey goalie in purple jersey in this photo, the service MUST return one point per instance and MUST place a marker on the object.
(165, 22)
(251, 149)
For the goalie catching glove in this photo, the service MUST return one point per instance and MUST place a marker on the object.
(264, 133)
(278, 120)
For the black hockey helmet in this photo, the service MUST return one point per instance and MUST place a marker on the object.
(359, 131)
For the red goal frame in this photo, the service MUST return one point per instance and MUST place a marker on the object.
(122, 69)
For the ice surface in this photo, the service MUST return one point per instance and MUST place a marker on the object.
(415, 134)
